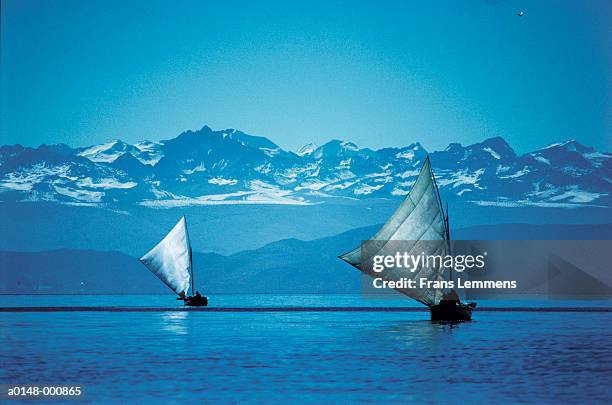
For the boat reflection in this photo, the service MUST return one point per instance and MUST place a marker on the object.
(406, 336)
(176, 322)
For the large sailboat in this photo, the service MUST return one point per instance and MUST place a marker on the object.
(420, 221)
(171, 261)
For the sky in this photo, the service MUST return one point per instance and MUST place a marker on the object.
(378, 73)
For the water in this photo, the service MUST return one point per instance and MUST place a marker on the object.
(359, 357)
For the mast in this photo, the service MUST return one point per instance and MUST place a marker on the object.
(444, 215)
(190, 256)
(448, 244)
(433, 177)
(191, 267)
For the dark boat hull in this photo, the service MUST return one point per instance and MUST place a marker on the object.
(451, 311)
(196, 301)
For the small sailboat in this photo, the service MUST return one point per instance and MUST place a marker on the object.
(420, 219)
(171, 261)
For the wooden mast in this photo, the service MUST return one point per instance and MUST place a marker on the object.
(444, 214)
(191, 267)
(448, 244)
(190, 257)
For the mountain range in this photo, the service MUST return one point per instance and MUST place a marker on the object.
(208, 167)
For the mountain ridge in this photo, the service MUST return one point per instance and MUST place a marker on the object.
(285, 266)
(208, 167)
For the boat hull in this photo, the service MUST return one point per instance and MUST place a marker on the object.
(196, 301)
(451, 311)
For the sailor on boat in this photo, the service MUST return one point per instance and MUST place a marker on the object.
(196, 301)
(421, 219)
(171, 261)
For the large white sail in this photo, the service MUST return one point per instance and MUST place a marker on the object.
(419, 220)
(170, 259)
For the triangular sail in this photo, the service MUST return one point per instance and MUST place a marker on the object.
(170, 259)
(420, 220)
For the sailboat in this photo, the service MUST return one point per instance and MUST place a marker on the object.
(421, 220)
(171, 261)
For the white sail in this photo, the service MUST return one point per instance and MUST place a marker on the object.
(419, 220)
(170, 259)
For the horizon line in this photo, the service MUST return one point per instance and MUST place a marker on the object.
(206, 126)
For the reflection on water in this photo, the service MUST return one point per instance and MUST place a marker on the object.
(312, 357)
(408, 334)
(175, 322)
(265, 300)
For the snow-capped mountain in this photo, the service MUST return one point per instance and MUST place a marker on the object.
(146, 152)
(220, 167)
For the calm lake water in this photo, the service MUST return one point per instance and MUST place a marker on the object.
(360, 357)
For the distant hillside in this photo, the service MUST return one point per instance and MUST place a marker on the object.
(286, 266)
(229, 229)
(72, 271)
(535, 232)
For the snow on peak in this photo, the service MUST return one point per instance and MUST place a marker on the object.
(257, 171)
(492, 153)
(106, 152)
(149, 152)
(147, 146)
(571, 145)
(560, 144)
(349, 146)
(406, 154)
(220, 181)
(307, 149)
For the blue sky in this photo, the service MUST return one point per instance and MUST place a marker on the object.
(379, 73)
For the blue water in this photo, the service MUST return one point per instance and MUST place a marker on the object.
(359, 357)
